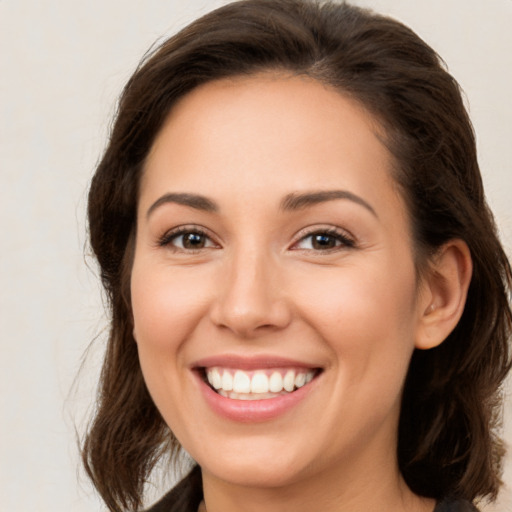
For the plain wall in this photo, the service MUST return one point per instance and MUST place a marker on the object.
(62, 66)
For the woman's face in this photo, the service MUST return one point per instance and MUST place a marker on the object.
(274, 255)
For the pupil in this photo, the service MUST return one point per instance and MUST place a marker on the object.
(193, 241)
(323, 242)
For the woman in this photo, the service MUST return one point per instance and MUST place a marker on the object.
(307, 289)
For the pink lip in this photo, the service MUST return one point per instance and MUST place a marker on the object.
(250, 411)
(249, 363)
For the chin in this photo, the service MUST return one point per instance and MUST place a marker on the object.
(245, 474)
(257, 467)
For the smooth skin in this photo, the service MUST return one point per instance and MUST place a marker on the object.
(227, 261)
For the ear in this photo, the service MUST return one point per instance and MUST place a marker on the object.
(443, 294)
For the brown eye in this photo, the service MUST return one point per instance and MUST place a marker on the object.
(193, 240)
(324, 241)
(187, 240)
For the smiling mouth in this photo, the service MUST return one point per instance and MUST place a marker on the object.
(262, 384)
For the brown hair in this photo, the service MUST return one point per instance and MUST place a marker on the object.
(451, 404)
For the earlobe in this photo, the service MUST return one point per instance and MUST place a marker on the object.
(446, 286)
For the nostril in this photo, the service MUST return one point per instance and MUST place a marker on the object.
(249, 323)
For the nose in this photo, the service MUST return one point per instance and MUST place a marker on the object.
(251, 298)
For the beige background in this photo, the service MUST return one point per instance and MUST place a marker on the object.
(62, 65)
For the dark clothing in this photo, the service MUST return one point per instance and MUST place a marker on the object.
(186, 496)
(183, 497)
(455, 506)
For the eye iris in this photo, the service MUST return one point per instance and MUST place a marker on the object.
(193, 241)
(323, 241)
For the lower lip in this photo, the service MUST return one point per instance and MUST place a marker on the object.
(253, 411)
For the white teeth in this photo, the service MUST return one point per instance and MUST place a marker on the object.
(289, 380)
(256, 385)
(300, 380)
(259, 383)
(227, 381)
(276, 383)
(215, 378)
(241, 382)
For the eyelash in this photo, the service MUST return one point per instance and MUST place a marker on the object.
(345, 242)
(341, 239)
(167, 239)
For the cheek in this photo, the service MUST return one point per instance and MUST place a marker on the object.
(366, 315)
(371, 296)
(166, 306)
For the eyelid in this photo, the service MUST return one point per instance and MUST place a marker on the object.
(166, 239)
(347, 240)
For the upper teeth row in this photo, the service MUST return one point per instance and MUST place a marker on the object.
(258, 381)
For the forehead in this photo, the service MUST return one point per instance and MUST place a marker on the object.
(268, 134)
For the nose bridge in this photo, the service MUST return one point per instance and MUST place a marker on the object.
(251, 299)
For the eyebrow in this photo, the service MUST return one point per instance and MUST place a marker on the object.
(291, 202)
(296, 201)
(195, 201)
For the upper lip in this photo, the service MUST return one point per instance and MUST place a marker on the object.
(259, 362)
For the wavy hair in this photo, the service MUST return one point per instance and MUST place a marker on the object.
(448, 443)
